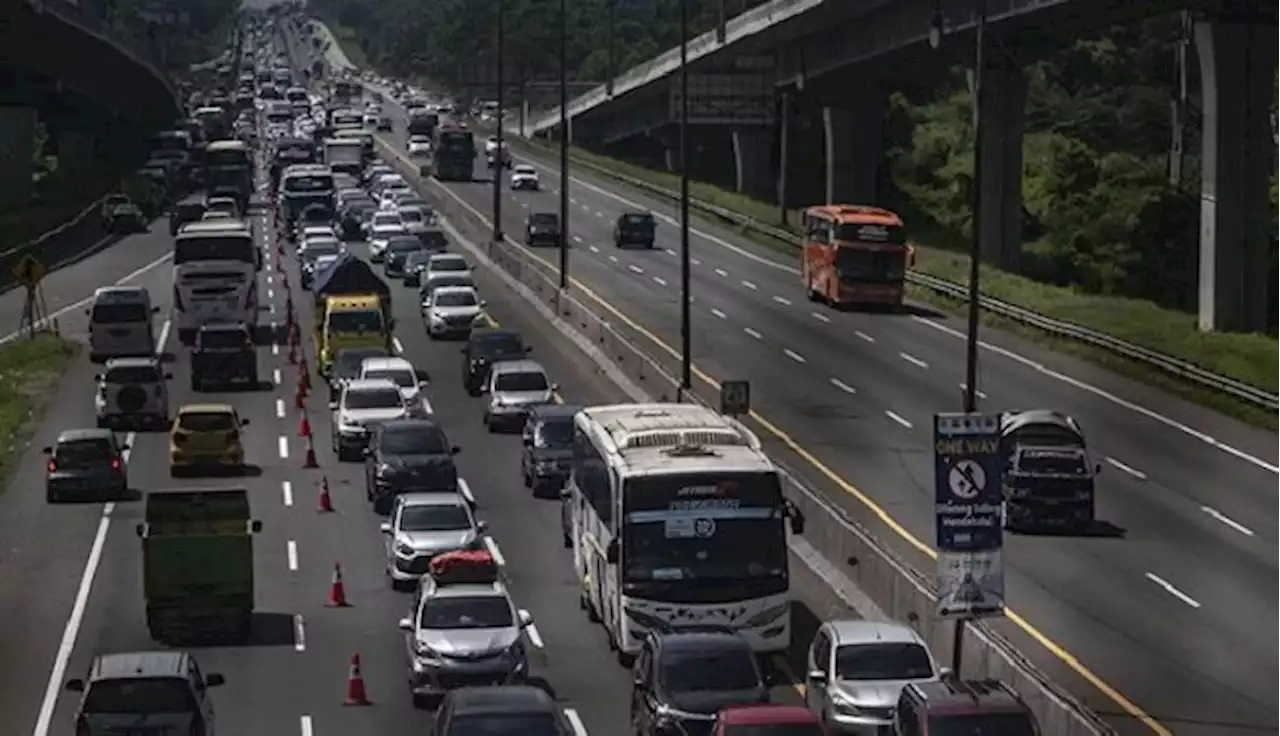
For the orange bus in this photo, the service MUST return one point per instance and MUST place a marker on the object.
(854, 254)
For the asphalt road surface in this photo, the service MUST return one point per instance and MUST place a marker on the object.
(1163, 618)
(70, 575)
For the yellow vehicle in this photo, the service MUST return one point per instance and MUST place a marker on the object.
(206, 437)
(352, 321)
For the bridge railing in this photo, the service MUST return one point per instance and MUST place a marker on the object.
(1183, 370)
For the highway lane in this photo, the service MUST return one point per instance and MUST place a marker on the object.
(1094, 595)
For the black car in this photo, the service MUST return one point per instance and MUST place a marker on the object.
(223, 354)
(346, 366)
(683, 678)
(1049, 473)
(548, 447)
(414, 264)
(406, 456)
(398, 249)
(543, 228)
(434, 240)
(484, 347)
(190, 209)
(502, 710)
(85, 464)
(634, 229)
(354, 216)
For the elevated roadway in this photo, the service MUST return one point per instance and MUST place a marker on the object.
(1137, 617)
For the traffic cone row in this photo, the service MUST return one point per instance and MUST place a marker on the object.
(293, 344)
(300, 399)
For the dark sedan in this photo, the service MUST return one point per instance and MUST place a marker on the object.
(354, 216)
(485, 347)
(548, 447)
(408, 455)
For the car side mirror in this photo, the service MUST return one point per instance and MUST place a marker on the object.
(367, 452)
(768, 679)
(482, 526)
(528, 350)
(385, 527)
(818, 676)
(797, 525)
(611, 552)
(168, 376)
(155, 310)
(944, 672)
(333, 406)
(214, 679)
(555, 387)
(47, 450)
(406, 624)
(75, 686)
(526, 440)
(1097, 469)
(124, 447)
(526, 619)
(565, 494)
(455, 450)
(244, 422)
(484, 303)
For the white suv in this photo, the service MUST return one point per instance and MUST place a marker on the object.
(133, 392)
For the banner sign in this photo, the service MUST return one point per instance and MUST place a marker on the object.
(968, 469)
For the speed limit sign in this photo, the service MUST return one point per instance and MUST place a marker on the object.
(735, 398)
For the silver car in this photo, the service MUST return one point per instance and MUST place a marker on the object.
(857, 669)
(158, 692)
(362, 403)
(463, 635)
(514, 386)
(422, 526)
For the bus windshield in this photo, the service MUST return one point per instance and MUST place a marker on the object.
(864, 264)
(723, 527)
(229, 157)
(191, 248)
(353, 321)
(308, 183)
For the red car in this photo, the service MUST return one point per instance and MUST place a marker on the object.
(768, 720)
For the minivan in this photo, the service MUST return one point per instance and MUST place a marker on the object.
(120, 323)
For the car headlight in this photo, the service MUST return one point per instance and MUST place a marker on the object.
(345, 426)
(437, 317)
(546, 466)
(404, 550)
(843, 703)
(423, 651)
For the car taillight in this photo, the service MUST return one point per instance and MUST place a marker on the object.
(197, 727)
(116, 464)
(53, 466)
(82, 728)
(179, 439)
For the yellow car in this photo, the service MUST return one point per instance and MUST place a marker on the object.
(206, 436)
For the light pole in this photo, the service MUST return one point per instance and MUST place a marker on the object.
(608, 85)
(686, 329)
(498, 154)
(564, 144)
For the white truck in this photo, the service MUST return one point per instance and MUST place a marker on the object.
(344, 155)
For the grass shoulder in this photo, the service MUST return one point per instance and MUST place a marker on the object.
(29, 371)
(1251, 358)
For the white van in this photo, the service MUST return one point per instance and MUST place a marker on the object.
(120, 324)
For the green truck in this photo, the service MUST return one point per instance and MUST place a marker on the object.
(197, 565)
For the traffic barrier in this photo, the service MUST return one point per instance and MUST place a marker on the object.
(309, 459)
(356, 693)
(337, 590)
(300, 399)
(324, 503)
(293, 344)
(304, 423)
(872, 578)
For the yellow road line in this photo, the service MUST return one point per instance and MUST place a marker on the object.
(1057, 650)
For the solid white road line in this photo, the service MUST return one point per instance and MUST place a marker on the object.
(81, 602)
(1173, 591)
(492, 546)
(575, 722)
(293, 555)
(286, 489)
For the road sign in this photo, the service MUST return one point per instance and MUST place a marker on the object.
(968, 465)
(735, 398)
(28, 271)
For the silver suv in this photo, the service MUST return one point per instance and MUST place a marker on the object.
(159, 692)
(363, 402)
(461, 635)
(514, 387)
(424, 525)
(133, 393)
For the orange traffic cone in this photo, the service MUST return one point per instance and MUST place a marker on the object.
(324, 503)
(304, 373)
(309, 460)
(356, 694)
(293, 345)
(300, 399)
(304, 423)
(337, 591)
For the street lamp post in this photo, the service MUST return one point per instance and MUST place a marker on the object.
(564, 144)
(686, 329)
(499, 158)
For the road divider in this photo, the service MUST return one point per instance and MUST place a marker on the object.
(875, 581)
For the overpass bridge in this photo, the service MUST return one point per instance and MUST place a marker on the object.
(96, 92)
(827, 67)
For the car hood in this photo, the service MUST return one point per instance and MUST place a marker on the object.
(709, 702)
(436, 541)
(475, 642)
(365, 416)
(872, 694)
(510, 398)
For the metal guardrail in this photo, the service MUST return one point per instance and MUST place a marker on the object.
(1176, 367)
(76, 238)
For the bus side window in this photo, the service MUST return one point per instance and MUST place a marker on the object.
(591, 476)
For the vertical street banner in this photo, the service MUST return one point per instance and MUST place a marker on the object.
(968, 465)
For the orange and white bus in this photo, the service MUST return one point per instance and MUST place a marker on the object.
(855, 254)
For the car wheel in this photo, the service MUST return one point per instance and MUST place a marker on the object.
(528, 479)
(51, 496)
(568, 543)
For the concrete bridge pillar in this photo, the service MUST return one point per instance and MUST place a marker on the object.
(1003, 98)
(17, 150)
(853, 142)
(753, 159)
(1237, 71)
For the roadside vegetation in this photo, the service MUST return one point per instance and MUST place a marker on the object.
(29, 371)
(1111, 235)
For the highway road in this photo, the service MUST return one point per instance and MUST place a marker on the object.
(65, 602)
(1163, 618)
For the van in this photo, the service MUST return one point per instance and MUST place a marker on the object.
(120, 324)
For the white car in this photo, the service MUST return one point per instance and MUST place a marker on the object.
(442, 263)
(370, 121)
(490, 144)
(451, 311)
(383, 227)
(363, 403)
(415, 220)
(133, 392)
(402, 373)
(388, 197)
(419, 145)
(525, 176)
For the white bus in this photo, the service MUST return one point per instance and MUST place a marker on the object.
(215, 275)
(678, 518)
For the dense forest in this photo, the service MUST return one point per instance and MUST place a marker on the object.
(1102, 211)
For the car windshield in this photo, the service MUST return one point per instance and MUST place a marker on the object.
(317, 247)
(637, 221)
(775, 729)
(494, 344)
(555, 434)
(544, 219)
(136, 696)
(412, 216)
(356, 320)
(883, 661)
(223, 339)
(467, 612)
(374, 398)
(524, 170)
(387, 221)
(133, 374)
(456, 299)
(97, 449)
(118, 313)
(433, 240)
(417, 440)
(206, 421)
(449, 264)
(416, 258)
(402, 246)
(402, 377)
(432, 518)
(684, 671)
(442, 281)
(506, 724)
(522, 381)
